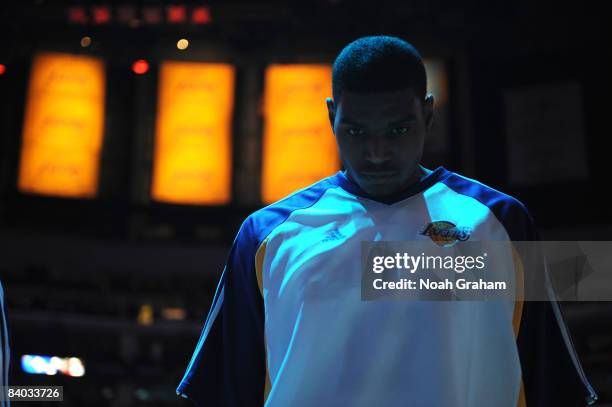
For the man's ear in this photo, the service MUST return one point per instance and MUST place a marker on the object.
(428, 111)
(331, 112)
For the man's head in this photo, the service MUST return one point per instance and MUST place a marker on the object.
(380, 112)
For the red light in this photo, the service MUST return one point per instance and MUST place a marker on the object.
(140, 67)
(2, 69)
(101, 14)
(77, 15)
(176, 14)
(200, 15)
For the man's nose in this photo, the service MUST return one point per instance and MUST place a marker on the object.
(378, 150)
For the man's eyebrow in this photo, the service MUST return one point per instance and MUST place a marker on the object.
(409, 118)
(349, 121)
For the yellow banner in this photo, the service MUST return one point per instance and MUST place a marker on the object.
(193, 146)
(299, 147)
(63, 126)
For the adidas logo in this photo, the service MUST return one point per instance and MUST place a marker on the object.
(333, 234)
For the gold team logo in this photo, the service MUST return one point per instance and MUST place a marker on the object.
(445, 233)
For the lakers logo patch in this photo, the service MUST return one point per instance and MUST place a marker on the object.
(445, 233)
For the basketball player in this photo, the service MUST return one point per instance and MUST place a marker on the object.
(287, 326)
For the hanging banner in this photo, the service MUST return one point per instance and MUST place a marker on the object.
(299, 147)
(193, 147)
(63, 126)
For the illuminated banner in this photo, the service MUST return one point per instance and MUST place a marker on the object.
(193, 146)
(299, 146)
(63, 126)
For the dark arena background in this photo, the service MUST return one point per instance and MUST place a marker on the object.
(136, 137)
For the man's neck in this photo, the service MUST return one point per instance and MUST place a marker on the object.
(419, 175)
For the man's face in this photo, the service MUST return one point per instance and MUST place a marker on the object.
(380, 137)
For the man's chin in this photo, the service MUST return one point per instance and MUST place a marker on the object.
(380, 190)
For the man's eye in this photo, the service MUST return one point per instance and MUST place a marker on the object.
(400, 130)
(354, 132)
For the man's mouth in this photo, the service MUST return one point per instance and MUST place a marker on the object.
(378, 175)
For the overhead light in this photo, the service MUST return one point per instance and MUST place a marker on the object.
(85, 42)
(182, 44)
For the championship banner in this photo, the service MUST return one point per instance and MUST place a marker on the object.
(63, 126)
(193, 146)
(299, 147)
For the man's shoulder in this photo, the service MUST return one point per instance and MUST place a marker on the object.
(508, 209)
(484, 193)
(261, 222)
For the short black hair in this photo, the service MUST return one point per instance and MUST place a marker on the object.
(378, 63)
